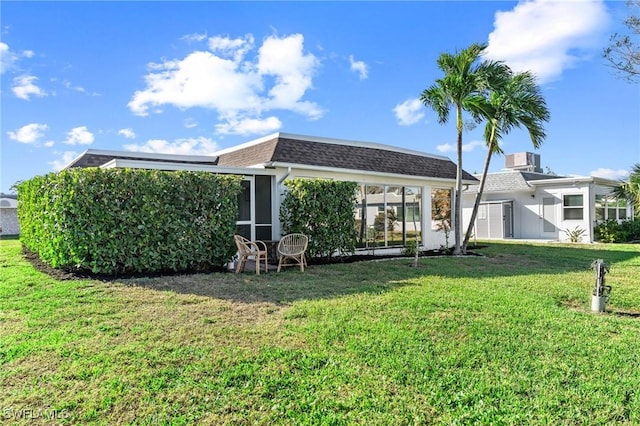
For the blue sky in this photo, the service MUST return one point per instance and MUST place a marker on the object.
(196, 77)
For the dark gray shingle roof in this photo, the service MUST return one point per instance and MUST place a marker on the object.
(338, 155)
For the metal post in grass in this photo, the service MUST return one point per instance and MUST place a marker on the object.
(601, 292)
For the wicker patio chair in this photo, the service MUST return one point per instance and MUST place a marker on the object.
(246, 249)
(291, 250)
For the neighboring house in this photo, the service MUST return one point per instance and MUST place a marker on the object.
(9, 215)
(524, 203)
(395, 183)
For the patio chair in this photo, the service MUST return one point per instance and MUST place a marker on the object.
(291, 250)
(246, 249)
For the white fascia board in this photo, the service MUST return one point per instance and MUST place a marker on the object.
(576, 179)
(294, 166)
(171, 166)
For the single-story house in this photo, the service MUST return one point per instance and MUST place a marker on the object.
(395, 183)
(522, 202)
(9, 215)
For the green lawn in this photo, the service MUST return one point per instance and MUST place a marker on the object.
(502, 339)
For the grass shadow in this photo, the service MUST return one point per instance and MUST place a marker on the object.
(316, 282)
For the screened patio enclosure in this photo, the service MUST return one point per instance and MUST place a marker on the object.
(255, 207)
(388, 216)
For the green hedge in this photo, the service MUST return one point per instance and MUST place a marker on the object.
(129, 221)
(324, 211)
(612, 231)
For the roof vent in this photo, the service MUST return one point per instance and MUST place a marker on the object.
(525, 161)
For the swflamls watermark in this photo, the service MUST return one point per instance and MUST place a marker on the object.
(28, 413)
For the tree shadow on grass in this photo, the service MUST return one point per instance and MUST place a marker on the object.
(316, 282)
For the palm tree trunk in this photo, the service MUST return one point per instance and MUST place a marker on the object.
(457, 223)
(483, 179)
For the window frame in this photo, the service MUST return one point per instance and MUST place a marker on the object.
(568, 207)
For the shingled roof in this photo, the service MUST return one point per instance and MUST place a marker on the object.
(285, 149)
(512, 180)
(97, 158)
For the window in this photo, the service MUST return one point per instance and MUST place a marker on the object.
(387, 215)
(610, 208)
(572, 207)
(440, 209)
(482, 212)
(600, 205)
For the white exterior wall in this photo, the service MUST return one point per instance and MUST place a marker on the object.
(561, 223)
(528, 210)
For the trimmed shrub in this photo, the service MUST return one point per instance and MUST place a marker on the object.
(612, 231)
(117, 221)
(324, 211)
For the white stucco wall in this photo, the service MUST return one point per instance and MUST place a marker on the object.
(528, 210)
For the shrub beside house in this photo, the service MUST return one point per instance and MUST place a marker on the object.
(114, 221)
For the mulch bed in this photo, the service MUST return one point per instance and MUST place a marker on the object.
(67, 274)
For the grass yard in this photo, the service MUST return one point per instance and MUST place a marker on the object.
(502, 339)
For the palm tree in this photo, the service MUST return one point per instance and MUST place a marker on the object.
(630, 190)
(465, 81)
(516, 101)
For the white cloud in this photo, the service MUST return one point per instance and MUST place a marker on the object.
(65, 158)
(127, 133)
(199, 80)
(409, 112)
(24, 87)
(28, 134)
(467, 147)
(195, 37)
(186, 146)
(79, 89)
(249, 126)
(190, 123)
(284, 59)
(360, 67)
(234, 49)
(228, 81)
(7, 57)
(79, 136)
(547, 37)
(610, 173)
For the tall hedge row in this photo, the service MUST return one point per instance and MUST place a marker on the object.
(324, 211)
(123, 221)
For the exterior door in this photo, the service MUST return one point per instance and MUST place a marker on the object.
(255, 208)
(548, 216)
(507, 211)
